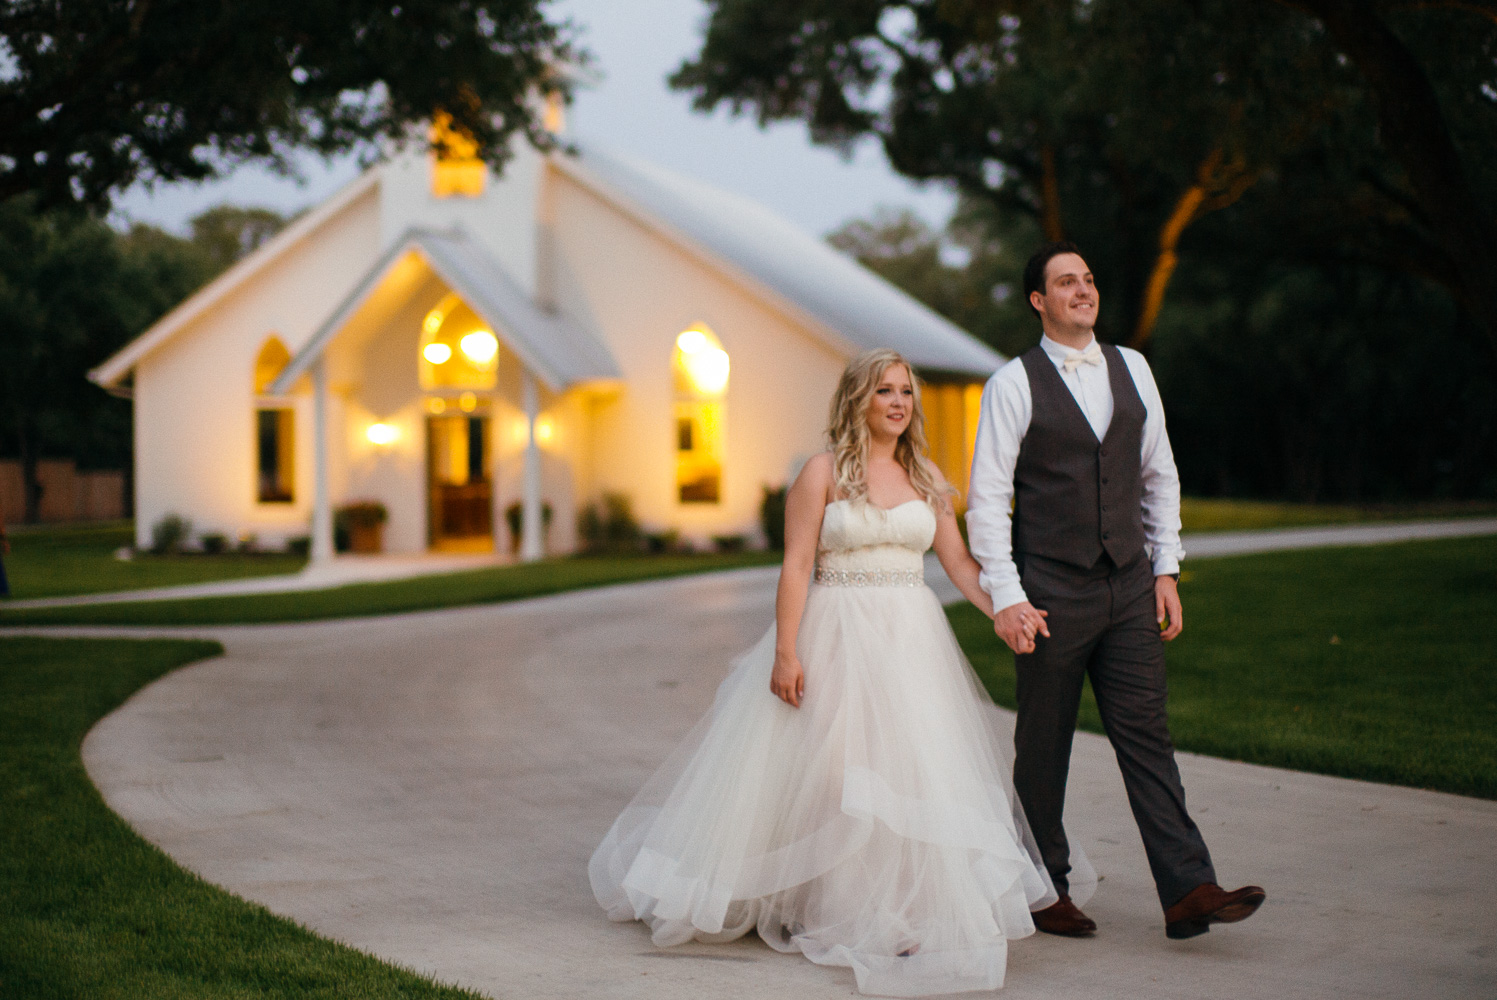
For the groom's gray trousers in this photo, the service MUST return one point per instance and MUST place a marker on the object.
(1102, 625)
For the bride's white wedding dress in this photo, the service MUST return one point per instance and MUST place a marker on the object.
(873, 827)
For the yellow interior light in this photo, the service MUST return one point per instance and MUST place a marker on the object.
(692, 341)
(433, 321)
(436, 353)
(381, 434)
(545, 430)
(436, 404)
(467, 402)
(707, 368)
(480, 346)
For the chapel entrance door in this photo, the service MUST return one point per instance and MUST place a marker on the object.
(460, 508)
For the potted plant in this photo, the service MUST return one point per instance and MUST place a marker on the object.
(363, 523)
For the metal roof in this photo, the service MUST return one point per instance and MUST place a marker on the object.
(849, 301)
(561, 353)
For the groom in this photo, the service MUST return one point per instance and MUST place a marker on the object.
(1083, 573)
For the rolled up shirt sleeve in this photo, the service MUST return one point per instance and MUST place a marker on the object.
(1158, 475)
(1003, 419)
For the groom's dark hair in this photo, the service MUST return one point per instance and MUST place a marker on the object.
(1034, 271)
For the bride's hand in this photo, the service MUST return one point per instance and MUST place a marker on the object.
(788, 682)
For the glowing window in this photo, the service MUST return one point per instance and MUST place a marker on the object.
(458, 350)
(701, 383)
(455, 166)
(275, 429)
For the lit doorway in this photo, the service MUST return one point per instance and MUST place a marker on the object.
(459, 487)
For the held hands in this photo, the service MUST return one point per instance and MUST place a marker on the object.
(788, 682)
(1167, 608)
(1018, 624)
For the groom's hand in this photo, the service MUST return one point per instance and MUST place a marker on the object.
(1167, 607)
(1018, 624)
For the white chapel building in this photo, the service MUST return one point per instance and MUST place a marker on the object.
(451, 343)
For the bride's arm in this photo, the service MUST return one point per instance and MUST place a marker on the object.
(805, 504)
(957, 561)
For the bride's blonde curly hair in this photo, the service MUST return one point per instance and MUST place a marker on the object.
(848, 437)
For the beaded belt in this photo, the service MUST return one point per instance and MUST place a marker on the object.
(870, 577)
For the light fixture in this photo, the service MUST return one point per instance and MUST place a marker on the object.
(436, 404)
(381, 434)
(692, 341)
(436, 353)
(545, 430)
(707, 368)
(467, 402)
(433, 321)
(480, 346)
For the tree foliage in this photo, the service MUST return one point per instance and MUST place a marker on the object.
(103, 93)
(72, 292)
(1125, 124)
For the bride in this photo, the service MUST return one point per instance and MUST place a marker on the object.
(846, 795)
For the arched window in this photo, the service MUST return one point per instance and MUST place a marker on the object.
(275, 429)
(458, 350)
(701, 380)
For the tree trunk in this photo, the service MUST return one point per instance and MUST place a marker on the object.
(1050, 196)
(31, 484)
(1415, 134)
(1217, 186)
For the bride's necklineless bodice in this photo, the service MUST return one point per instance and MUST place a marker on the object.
(857, 536)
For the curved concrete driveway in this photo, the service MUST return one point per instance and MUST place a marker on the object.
(429, 787)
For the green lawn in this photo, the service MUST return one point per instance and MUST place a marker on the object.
(1199, 514)
(79, 559)
(87, 908)
(1377, 663)
(500, 583)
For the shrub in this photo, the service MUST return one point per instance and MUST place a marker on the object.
(301, 545)
(772, 516)
(169, 534)
(214, 544)
(730, 543)
(609, 525)
(666, 542)
(513, 515)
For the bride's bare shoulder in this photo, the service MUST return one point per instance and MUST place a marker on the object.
(816, 476)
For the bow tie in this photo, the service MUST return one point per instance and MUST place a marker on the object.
(1091, 356)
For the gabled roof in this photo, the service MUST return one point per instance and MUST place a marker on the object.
(559, 351)
(847, 303)
(113, 371)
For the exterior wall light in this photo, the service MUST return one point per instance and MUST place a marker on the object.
(381, 434)
(437, 353)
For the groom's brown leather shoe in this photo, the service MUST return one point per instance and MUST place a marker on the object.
(1209, 904)
(1064, 918)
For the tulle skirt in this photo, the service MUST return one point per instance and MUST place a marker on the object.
(874, 827)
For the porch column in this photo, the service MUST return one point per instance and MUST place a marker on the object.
(322, 513)
(531, 544)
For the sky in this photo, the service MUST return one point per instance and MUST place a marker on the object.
(635, 43)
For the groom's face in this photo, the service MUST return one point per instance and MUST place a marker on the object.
(1070, 300)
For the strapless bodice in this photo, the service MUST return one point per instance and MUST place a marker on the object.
(864, 544)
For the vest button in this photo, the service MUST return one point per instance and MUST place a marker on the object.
(1103, 452)
(1104, 510)
(1105, 536)
(1104, 483)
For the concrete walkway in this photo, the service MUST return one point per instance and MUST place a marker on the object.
(429, 787)
(349, 569)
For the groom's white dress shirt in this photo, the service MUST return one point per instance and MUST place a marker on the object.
(1001, 426)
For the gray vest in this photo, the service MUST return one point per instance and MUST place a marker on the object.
(1074, 497)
